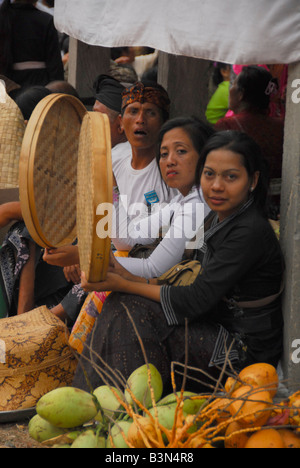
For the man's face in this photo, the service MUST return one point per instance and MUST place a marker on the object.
(142, 123)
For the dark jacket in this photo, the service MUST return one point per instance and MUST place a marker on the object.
(245, 264)
(34, 38)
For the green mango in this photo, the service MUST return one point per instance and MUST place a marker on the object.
(67, 407)
(138, 384)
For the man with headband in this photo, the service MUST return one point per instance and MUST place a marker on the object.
(145, 107)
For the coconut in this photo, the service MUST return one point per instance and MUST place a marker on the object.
(191, 401)
(253, 407)
(265, 438)
(87, 439)
(67, 407)
(140, 430)
(108, 401)
(117, 436)
(234, 437)
(41, 430)
(261, 375)
(139, 386)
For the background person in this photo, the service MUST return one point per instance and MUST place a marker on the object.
(29, 48)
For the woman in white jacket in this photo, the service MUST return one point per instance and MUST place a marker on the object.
(180, 223)
(180, 144)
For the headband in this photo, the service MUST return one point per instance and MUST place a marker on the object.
(109, 92)
(139, 92)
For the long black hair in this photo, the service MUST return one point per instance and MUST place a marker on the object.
(253, 161)
(198, 131)
(256, 84)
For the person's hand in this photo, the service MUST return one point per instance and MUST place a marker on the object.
(72, 273)
(112, 282)
(62, 256)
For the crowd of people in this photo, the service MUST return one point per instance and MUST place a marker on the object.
(205, 191)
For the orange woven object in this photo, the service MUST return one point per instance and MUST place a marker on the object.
(34, 359)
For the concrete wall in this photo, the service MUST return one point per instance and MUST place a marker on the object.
(85, 64)
(187, 81)
(290, 230)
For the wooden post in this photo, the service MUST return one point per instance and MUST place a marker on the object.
(85, 64)
(290, 229)
(187, 81)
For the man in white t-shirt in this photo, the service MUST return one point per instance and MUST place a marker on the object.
(145, 107)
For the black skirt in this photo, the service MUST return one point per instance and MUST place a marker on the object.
(114, 344)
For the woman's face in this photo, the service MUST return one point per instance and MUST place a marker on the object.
(178, 160)
(225, 182)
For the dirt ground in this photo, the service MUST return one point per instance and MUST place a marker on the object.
(15, 435)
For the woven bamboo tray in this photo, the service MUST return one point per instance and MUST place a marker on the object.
(48, 170)
(94, 189)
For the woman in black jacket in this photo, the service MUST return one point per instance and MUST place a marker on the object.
(241, 264)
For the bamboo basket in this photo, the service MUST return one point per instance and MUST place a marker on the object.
(48, 170)
(94, 191)
(34, 358)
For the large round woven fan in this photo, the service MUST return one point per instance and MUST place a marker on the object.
(48, 170)
(94, 196)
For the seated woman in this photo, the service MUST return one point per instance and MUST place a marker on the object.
(181, 141)
(241, 264)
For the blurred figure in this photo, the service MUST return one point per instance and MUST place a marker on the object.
(108, 100)
(28, 98)
(218, 104)
(62, 86)
(249, 99)
(29, 47)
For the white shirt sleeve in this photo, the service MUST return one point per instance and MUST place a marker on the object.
(132, 225)
(187, 223)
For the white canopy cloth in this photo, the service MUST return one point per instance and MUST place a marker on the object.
(233, 31)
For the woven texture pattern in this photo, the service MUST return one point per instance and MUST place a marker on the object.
(48, 160)
(35, 358)
(85, 197)
(94, 187)
(55, 172)
(12, 128)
